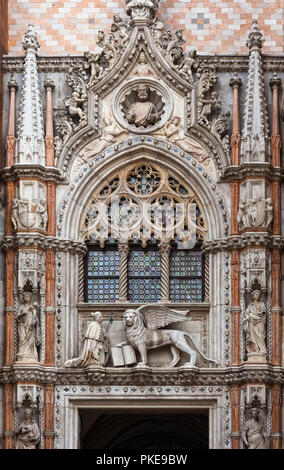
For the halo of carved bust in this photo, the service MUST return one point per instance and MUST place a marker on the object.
(142, 105)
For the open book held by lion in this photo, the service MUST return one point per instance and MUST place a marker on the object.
(143, 333)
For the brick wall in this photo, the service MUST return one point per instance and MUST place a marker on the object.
(70, 26)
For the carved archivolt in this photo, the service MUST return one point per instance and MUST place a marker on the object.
(140, 202)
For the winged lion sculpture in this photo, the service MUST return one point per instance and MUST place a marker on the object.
(142, 327)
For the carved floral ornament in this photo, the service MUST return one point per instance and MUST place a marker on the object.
(140, 202)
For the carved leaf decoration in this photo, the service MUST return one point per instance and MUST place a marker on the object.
(158, 316)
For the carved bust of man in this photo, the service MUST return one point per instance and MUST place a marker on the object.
(142, 112)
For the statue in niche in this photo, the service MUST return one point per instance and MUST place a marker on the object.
(142, 112)
(174, 132)
(142, 327)
(254, 325)
(28, 434)
(95, 348)
(142, 68)
(110, 132)
(28, 330)
(253, 435)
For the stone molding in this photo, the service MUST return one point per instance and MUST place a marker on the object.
(15, 172)
(37, 240)
(246, 170)
(242, 241)
(226, 63)
(143, 375)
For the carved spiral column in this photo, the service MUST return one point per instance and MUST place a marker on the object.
(165, 248)
(123, 250)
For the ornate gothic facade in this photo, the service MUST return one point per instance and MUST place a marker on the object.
(143, 181)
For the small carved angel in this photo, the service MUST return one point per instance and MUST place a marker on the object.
(73, 102)
(206, 107)
(189, 64)
(119, 25)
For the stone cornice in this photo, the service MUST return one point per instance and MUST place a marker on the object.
(42, 241)
(234, 242)
(143, 375)
(245, 170)
(32, 171)
(226, 63)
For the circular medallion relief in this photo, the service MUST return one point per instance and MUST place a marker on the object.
(142, 105)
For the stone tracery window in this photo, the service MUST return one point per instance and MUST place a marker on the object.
(144, 211)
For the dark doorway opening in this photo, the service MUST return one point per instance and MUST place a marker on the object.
(113, 430)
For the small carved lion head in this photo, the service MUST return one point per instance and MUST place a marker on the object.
(129, 318)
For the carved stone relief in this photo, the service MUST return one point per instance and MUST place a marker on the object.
(28, 214)
(142, 337)
(255, 208)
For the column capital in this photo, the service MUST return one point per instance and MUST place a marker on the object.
(12, 84)
(49, 84)
(236, 81)
(275, 81)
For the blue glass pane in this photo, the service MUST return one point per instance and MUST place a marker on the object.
(144, 290)
(186, 290)
(144, 263)
(103, 290)
(185, 263)
(103, 263)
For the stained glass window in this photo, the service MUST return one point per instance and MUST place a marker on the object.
(102, 275)
(144, 271)
(186, 284)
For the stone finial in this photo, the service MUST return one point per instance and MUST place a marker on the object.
(142, 9)
(13, 83)
(255, 39)
(30, 39)
(236, 81)
(275, 80)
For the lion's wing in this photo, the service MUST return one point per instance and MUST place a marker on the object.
(157, 316)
